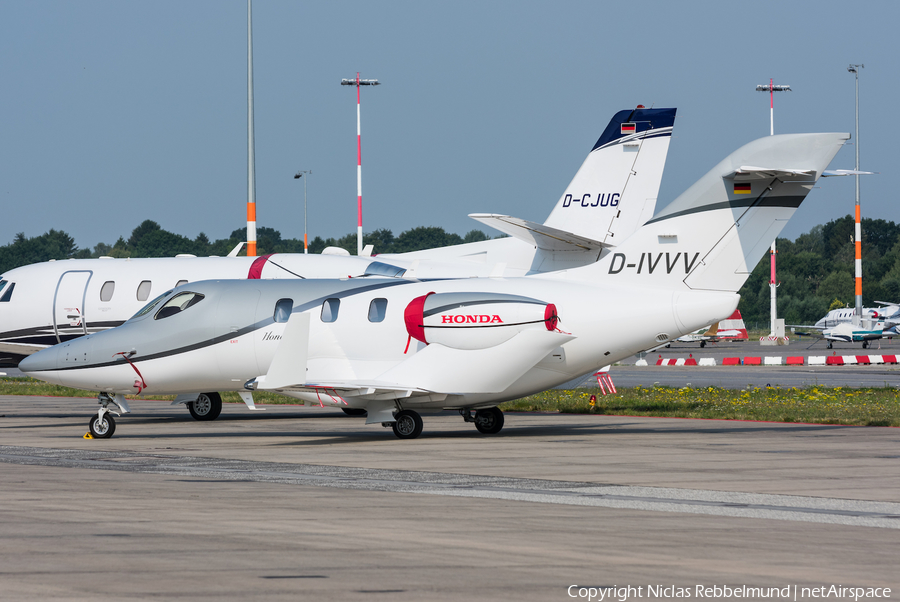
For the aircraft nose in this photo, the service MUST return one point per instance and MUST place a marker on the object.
(43, 360)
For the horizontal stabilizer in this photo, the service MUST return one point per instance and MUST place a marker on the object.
(846, 172)
(747, 172)
(289, 364)
(539, 235)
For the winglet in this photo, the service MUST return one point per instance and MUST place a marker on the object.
(236, 250)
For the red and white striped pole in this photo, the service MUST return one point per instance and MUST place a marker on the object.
(359, 231)
(358, 174)
(854, 69)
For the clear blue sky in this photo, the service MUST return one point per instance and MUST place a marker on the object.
(116, 112)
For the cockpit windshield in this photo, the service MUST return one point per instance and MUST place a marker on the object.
(149, 307)
(6, 291)
(178, 304)
(376, 268)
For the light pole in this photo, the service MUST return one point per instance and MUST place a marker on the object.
(854, 69)
(771, 89)
(359, 82)
(297, 176)
(773, 284)
(251, 161)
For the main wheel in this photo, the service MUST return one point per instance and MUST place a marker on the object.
(408, 425)
(829, 344)
(355, 411)
(702, 344)
(865, 344)
(207, 406)
(102, 428)
(489, 421)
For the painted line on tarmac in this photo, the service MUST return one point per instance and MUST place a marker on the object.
(836, 511)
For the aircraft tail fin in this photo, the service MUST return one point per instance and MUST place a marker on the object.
(614, 191)
(714, 234)
(712, 330)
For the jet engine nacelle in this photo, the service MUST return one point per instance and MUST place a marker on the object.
(475, 320)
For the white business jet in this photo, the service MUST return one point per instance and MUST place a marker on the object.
(400, 347)
(614, 192)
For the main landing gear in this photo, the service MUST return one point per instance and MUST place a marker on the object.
(407, 424)
(488, 421)
(207, 406)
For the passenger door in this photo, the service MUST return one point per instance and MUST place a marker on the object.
(69, 320)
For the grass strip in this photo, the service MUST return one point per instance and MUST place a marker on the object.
(816, 405)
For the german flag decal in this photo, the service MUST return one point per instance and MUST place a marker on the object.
(742, 189)
(628, 128)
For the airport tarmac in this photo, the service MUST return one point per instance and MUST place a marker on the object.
(306, 503)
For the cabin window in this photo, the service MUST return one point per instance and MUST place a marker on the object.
(107, 290)
(7, 292)
(283, 309)
(143, 290)
(330, 310)
(149, 307)
(178, 304)
(377, 309)
(180, 282)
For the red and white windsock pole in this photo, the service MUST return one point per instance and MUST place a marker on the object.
(773, 284)
(251, 162)
(359, 82)
(854, 69)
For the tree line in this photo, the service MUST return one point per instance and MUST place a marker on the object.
(816, 271)
(150, 240)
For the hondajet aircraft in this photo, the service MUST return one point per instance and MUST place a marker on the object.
(400, 347)
(611, 195)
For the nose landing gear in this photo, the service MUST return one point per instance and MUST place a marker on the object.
(103, 425)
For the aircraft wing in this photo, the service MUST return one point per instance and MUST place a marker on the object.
(750, 172)
(539, 235)
(20, 348)
(436, 369)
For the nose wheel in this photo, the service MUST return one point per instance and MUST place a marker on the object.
(102, 426)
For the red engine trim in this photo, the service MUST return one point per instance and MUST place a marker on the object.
(414, 316)
(551, 318)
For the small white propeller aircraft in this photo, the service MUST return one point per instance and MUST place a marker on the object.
(615, 192)
(400, 347)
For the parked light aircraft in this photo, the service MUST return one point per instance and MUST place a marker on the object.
(401, 347)
(837, 325)
(613, 192)
(708, 334)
